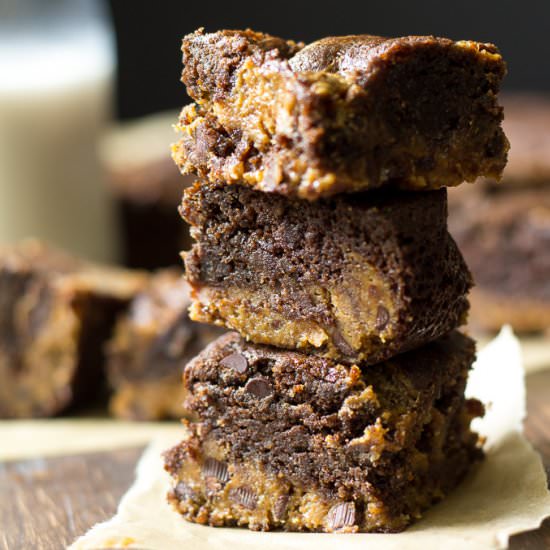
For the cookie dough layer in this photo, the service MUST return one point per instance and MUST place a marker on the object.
(151, 344)
(288, 441)
(504, 234)
(56, 313)
(356, 278)
(341, 114)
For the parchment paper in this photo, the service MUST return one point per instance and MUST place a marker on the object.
(21, 439)
(506, 494)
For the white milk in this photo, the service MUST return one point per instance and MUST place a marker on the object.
(56, 75)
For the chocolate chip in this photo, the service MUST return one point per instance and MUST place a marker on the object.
(341, 343)
(164, 356)
(259, 387)
(183, 492)
(382, 318)
(244, 496)
(279, 508)
(215, 468)
(235, 361)
(341, 515)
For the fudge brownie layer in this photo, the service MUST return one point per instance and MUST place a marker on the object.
(342, 114)
(147, 190)
(357, 277)
(296, 442)
(504, 233)
(55, 315)
(151, 344)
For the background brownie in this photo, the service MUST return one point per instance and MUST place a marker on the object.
(342, 114)
(147, 189)
(55, 314)
(504, 235)
(504, 229)
(357, 277)
(151, 344)
(291, 441)
(527, 125)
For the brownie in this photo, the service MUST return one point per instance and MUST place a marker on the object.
(504, 234)
(527, 125)
(341, 114)
(283, 440)
(504, 229)
(146, 187)
(56, 312)
(152, 342)
(357, 277)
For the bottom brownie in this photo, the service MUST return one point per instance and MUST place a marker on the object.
(504, 234)
(282, 440)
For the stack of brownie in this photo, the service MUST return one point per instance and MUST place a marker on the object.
(320, 220)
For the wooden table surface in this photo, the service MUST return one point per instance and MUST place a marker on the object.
(46, 503)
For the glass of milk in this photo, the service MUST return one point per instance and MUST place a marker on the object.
(57, 60)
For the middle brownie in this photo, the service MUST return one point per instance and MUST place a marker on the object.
(358, 277)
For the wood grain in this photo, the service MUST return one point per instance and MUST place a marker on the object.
(46, 504)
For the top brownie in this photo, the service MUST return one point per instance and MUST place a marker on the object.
(341, 114)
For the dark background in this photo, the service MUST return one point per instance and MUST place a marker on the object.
(149, 34)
